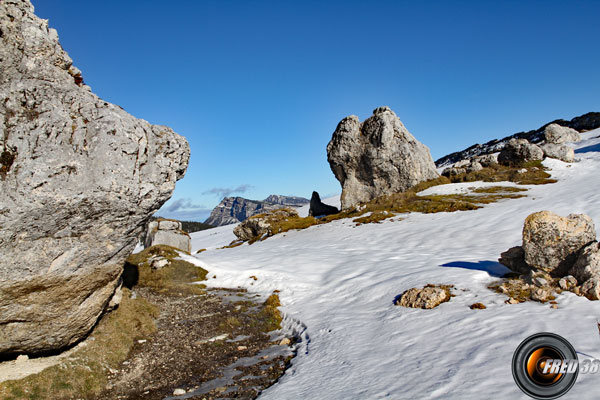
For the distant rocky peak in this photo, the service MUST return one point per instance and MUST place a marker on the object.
(232, 210)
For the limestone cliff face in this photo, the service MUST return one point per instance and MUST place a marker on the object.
(232, 210)
(79, 179)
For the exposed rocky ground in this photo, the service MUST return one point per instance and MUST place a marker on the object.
(585, 122)
(188, 340)
(232, 210)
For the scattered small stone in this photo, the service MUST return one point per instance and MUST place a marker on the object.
(540, 282)
(541, 295)
(142, 341)
(254, 277)
(241, 348)
(555, 306)
(567, 283)
(512, 301)
(478, 306)
(160, 263)
(179, 392)
(285, 342)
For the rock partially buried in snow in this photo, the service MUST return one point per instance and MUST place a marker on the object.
(428, 297)
(168, 232)
(377, 157)
(518, 151)
(551, 242)
(80, 178)
(557, 134)
(591, 289)
(179, 392)
(588, 263)
(558, 151)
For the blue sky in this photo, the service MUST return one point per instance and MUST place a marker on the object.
(258, 87)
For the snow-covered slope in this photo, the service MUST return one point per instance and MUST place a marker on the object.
(341, 280)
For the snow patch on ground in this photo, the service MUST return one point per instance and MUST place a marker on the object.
(340, 281)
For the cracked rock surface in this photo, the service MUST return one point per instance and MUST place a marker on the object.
(79, 179)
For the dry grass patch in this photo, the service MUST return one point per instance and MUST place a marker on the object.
(535, 174)
(177, 276)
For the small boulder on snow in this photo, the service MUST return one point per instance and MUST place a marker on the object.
(557, 134)
(558, 151)
(551, 242)
(428, 297)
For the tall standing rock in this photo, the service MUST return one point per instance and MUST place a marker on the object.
(79, 179)
(377, 157)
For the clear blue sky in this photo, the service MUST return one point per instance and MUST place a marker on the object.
(258, 87)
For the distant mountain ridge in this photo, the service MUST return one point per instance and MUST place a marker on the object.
(585, 122)
(232, 210)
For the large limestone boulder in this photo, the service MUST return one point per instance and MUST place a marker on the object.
(558, 151)
(168, 232)
(259, 226)
(518, 151)
(551, 243)
(557, 134)
(79, 179)
(377, 157)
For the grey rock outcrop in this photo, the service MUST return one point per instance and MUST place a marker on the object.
(551, 243)
(557, 134)
(428, 297)
(167, 232)
(377, 157)
(558, 151)
(318, 208)
(518, 151)
(261, 225)
(79, 179)
(233, 210)
(585, 122)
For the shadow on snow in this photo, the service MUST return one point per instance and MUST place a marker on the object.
(493, 268)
